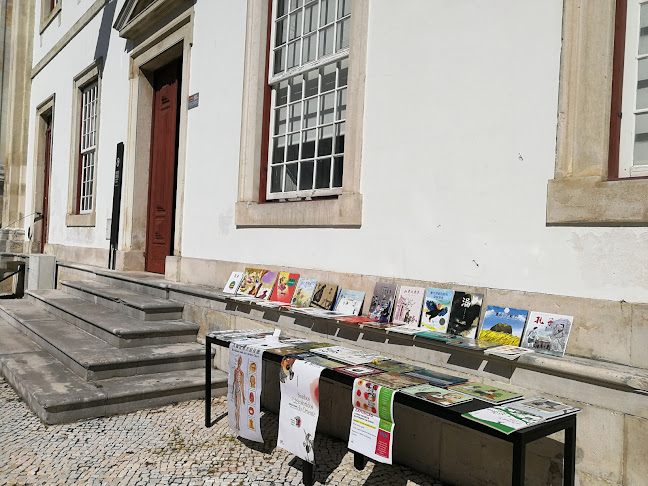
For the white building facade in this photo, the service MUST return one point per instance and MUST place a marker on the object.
(462, 144)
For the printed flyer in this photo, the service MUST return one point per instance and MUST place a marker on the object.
(299, 408)
(244, 390)
(372, 423)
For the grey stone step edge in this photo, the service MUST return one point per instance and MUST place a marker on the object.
(139, 306)
(81, 400)
(119, 338)
(589, 370)
(127, 362)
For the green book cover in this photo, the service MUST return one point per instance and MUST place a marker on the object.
(504, 419)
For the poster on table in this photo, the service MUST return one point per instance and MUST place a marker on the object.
(299, 408)
(372, 423)
(244, 391)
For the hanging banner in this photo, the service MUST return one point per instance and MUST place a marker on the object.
(372, 422)
(299, 408)
(244, 391)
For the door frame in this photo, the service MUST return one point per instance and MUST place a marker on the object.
(44, 111)
(149, 54)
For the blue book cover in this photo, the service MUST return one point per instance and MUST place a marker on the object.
(503, 325)
(436, 309)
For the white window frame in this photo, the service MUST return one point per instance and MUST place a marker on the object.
(88, 145)
(284, 77)
(80, 144)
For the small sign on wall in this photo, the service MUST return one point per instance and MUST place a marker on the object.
(193, 100)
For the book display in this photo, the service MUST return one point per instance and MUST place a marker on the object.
(408, 305)
(382, 302)
(503, 325)
(232, 285)
(285, 288)
(349, 302)
(547, 333)
(436, 309)
(304, 292)
(487, 393)
(439, 396)
(324, 296)
(268, 280)
(251, 281)
(464, 315)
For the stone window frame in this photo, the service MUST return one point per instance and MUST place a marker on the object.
(88, 76)
(344, 210)
(584, 191)
(48, 13)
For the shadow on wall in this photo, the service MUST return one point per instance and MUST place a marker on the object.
(103, 39)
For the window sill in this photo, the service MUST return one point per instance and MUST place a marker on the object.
(588, 201)
(48, 20)
(82, 220)
(343, 211)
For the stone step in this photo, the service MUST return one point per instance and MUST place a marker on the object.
(91, 357)
(57, 395)
(140, 306)
(120, 330)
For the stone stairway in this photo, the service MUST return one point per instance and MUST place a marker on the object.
(93, 349)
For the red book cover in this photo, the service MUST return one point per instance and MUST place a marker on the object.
(285, 287)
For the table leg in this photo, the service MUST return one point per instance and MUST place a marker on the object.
(569, 472)
(308, 472)
(359, 461)
(519, 466)
(208, 366)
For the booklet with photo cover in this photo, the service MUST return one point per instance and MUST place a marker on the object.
(437, 379)
(382, 301)
(547, 333)
(304, 292)
(349, 302)
(358, 370)
(233, 283)
(395, 366)
(543, 407)
(395, 381)
(464, 315)
(251, 281)
(324, 296)
(504, 418)
(439, 396)
(436, 309)
(268, 279)
(285, 287)
(503, 325)
(487, 393)
(408, 305)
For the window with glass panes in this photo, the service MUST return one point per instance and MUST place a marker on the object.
(308, 81)
(88, 147)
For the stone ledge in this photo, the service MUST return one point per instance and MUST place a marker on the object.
(588, 201)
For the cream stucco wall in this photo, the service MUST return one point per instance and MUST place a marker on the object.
(459, 143)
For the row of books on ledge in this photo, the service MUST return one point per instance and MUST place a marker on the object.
(509, 411)
(445, 315)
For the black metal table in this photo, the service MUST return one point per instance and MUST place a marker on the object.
(519, 439)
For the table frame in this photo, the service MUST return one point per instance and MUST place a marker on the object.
(519, 439)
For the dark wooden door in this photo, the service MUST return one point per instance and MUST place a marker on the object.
(162, 169)
(47, 162)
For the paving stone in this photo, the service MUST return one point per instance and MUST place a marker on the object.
(167, 445)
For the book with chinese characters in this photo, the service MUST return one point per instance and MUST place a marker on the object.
(268, 279)
(349, 302)
(438, 396)
(285, 287)
(251, 281)
(547, 333)
(503, 325)
(304, 292)
(436, 309)
(324, 296)
(487, 393)
(408, 305)
(464, 315)
(233, 283)
(382, 301)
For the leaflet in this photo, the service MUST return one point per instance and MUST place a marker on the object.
(244, 391)
(372, 423)
(299, 408)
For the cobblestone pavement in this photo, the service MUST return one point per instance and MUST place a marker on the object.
(167, 445)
